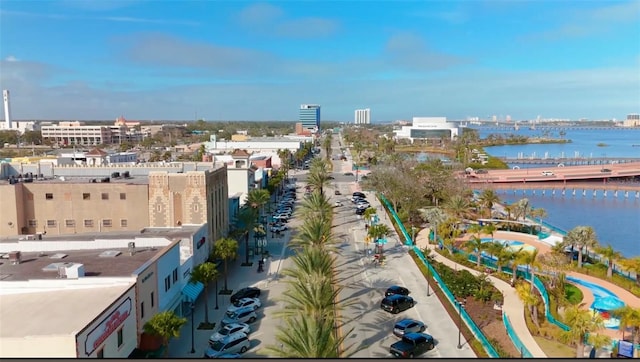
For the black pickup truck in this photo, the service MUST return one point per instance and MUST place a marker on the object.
(412, 344)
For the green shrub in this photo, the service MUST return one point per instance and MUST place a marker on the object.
(572, 294)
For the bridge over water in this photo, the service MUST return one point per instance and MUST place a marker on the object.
(620, 171)
(570, 161)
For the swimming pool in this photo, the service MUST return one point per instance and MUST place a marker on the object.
(511, 244)
(600, 296)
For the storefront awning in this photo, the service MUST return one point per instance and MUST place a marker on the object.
(191, 291)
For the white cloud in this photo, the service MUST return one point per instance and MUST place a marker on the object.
(11, 58)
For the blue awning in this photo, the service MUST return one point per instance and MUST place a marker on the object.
(191, 291)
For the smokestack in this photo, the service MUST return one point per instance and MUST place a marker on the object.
(7, 110)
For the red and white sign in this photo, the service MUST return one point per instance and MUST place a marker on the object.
(108, 325)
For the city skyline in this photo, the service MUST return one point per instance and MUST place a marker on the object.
(257, 61)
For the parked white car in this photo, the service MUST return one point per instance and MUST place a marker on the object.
(228, 330)
(245, 303)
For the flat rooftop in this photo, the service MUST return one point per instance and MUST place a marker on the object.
(61, 312)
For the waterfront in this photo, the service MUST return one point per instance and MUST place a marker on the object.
(616, 220)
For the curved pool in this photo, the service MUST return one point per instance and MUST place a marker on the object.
(511, 244)
(601, 297)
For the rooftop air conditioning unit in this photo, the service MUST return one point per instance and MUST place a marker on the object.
(15, 257)
(75, 271)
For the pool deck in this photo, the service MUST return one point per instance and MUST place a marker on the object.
(588, 297)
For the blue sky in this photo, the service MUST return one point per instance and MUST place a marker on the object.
(241, 60)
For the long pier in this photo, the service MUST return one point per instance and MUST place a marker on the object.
(573, 189)
(570, 161)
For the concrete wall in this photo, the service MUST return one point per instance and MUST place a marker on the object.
(166, 264)
(240, 180)
(146, 293)
(102, 333)
(38, 347)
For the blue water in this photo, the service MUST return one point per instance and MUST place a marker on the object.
(598, 292)
(508, 242)
(616, 220)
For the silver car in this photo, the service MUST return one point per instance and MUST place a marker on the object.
(236, 343)
(228, 330)
(243, 315)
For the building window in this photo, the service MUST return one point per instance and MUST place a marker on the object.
(195, 207)
(48, 196)
(70, 223)
(167, 283)
(152, 301)
(120, 337)
(123, 223)
(51, 223)
(105, 196)
(159, 208)
(88, 223)
(86, 196)
(123, 196)
(33, 223)
(100, 353)
(175, 275)
(106, 223)
(141, 310)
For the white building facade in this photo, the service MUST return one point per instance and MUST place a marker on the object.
(429, 128)
(362, 116)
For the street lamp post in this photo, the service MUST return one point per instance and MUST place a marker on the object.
(428, 278)
(193, 309)
(460, 306)
(216, 293)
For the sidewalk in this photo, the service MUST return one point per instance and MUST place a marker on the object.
(239, 277)
(512, 306)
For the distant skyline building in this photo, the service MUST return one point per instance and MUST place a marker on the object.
(7, 110)
(310, 116)
(362, 116)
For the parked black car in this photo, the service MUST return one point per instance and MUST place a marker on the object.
(249, 292)
(412, 344)
(397, 303)
(396, 289)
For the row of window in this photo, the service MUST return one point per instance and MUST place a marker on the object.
(167, 280)
(87, 196)
(88, 223)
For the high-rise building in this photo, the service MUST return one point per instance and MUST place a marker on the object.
(362, 116)
(310, 116)
(7, 110)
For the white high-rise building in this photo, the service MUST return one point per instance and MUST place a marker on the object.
(7, 110)
(362, 116)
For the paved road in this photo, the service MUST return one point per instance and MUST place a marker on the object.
(364, 285)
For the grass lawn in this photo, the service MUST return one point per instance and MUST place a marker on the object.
(555, 349)
(572, 294)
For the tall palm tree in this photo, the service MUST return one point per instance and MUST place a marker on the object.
(581, 237)
(314, 233)
(582, 322)
(311, 294)
(497, 250)
(318, 178)
(488, 198)
(629, 319)
(165, 325)
(458, 206)
(609, 253)
(257, 199)
(530, 301)
(204, 273)
(433, 215)
(315, 205)
(511, 258)
(303, 337)
(475, 245)
(377, 232)
(245, 220)
(489, 229)
(326, 144)
(225, 249)
(530, 259)
(310, 260)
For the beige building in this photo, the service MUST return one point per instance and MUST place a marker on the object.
(58, 207)
(78, 133)
(194, 197)
(79, 205)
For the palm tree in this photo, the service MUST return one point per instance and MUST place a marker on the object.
(204, 273)
(318, 178)
(458, 206)
(246, 219)
(629, 319)
(530, 301)
(225, 249)
(511, 259)
(303, 337)
(377, 232)
(326, 144)
(497, 250)
(582, 322)
(489, 229)
(581, 237)
(488, 198)
(165, 325)
(530, 259)
(315, 205)
(308, 261)
(475, 245)
(609, 253)
(314, 233)
(311, 294)
(435, 216)
(632, 265)
(257, 199)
